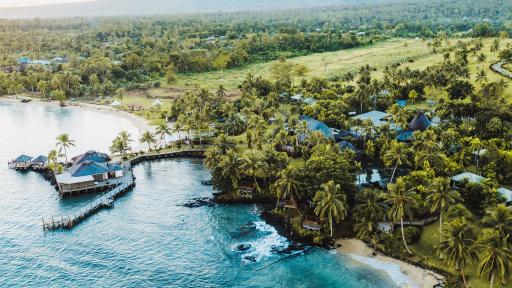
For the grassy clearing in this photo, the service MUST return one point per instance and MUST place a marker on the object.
(412, 52)
(427, 247)
(474, 66)
(321, 64)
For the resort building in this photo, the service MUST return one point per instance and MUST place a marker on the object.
(378, 118)
(91, 171)
(506, 194)
(22, 162)
(315, 125)
(468, 177)
(40, 162)
(419, 123)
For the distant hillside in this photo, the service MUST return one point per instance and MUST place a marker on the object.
(146, 7)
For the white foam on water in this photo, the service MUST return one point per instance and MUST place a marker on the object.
(264, 245)
(392, 269)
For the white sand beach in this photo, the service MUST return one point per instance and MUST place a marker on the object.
(404, 274)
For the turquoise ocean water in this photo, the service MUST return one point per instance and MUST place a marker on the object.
(148, 239)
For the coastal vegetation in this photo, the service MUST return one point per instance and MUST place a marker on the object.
(416, 103)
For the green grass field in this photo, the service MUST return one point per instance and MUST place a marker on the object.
(412, 53)
(474, 66)
(321, 64)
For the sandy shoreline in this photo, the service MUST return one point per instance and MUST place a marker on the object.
(404, 274)
(140, 123)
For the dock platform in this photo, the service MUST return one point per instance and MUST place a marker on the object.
(106, 200)
(101, 202)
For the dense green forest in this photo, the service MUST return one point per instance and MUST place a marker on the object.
(101, 55)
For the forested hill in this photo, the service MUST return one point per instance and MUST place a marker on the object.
(147, 7)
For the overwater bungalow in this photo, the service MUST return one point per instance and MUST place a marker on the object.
(90, 171)
(21, 163)
(91, 156)
(40, 162)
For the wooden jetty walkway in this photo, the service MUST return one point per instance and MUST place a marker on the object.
(194, 153)
(106, 200)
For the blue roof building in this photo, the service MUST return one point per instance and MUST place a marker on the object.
(420, 123)
(377, 117)
(505, 193)
(22, 159)
(40, 160)
(468, 176)
(401, 103)
(91, 156)
(315, 125)
(405, 136)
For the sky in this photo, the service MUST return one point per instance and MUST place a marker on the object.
(24, 3)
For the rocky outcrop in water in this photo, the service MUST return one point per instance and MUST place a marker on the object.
(198, 202)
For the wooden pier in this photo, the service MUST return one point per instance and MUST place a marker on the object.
(107, 199)
(191, 153)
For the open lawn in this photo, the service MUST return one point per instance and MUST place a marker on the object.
(427, 248)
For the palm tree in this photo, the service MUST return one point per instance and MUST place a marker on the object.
(331, 202)
(301, 131)
(367, 214)
(495, 257)
(224, 144)
(254, 165)
(230, 168)
(481, 76)
(212, 158)
(121, 144)
(396, 155)
(441, 198)
(287, 185)
(177, 128)
(500, 219)
(148, 138)
(53, 160)
(401, 201)
(163, 130)
(457, 248)
(63, 144)
(481, 58)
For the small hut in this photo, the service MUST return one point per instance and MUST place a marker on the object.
(157, 103)
(115, 104)
(506, 194)
(22, 162)
(467, 177)
(39, 162)
(420, 123)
